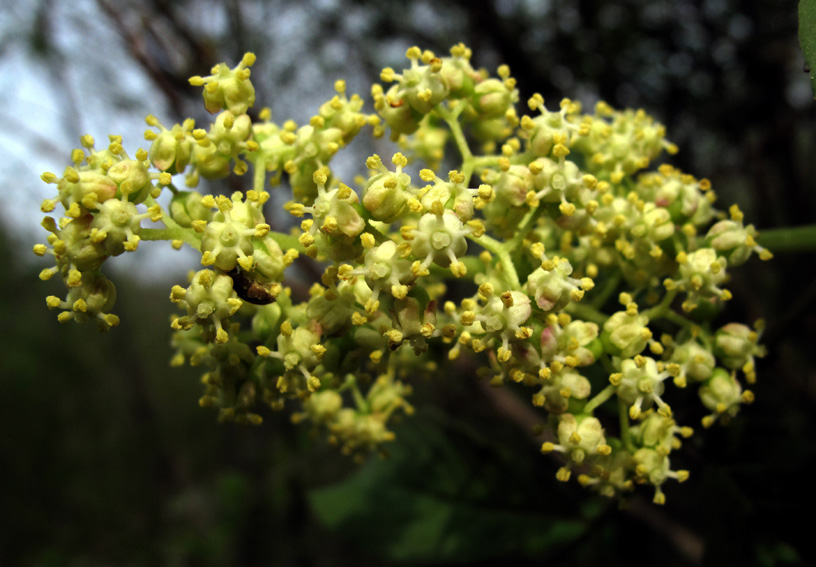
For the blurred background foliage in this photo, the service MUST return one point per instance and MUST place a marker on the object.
(105, 458)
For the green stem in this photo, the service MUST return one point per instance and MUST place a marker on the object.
(259, 175)
(600, 398)
(359, 399)
(675, 317)
(451, 117)
(497, 248)
(791, 239)
(186, 235)
(661, 309)
(609, 287)
(525, 227)
(472, 264)
(586, 313)
(623, 415)
(286, 241)
(485, 161)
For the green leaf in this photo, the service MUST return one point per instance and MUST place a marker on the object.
(447, 496)
(807, 37)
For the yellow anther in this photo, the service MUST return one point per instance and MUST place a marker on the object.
(344, 271)
(560, 150)
(437, 208)
(478, 228)
(399, 291)
(485, 192)
(456, 177)
(427, 175)
(567, 209)
(399, 160)
(306, 239)
(330, 225)
(468, 318)
(524, 333)
(394, 335)
(535, 101)
(373, 162)
(418, 269)
(367, 240)
(665, 411)
(286, 328)
(736, 213)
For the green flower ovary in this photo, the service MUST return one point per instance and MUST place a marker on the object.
(440, 238)
(344, 114)
(574, 340)
(581, 437)
(228, 88)
(227, 242)
(187, 206)
(696, 361)
(736, 345)
(421, 86)
(721, 393)
(553, 288)
(209, 296)
(73, 245)
(171, 149)
(556, 181)
(93, 299)
(117, 226)
(626, 334)
(386, 193)
(560, 388)
(383, 265)
(640, 383)
(703, 271)
(132, 179)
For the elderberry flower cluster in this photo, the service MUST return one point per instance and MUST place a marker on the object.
(593, 270)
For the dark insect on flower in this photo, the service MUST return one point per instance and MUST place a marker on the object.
(249, 289)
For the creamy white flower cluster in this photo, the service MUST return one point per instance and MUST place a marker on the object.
(555, 250)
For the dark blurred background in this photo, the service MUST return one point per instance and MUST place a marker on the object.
(105, 457)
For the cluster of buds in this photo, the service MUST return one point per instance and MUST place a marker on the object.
(576, 253)
(99, 195)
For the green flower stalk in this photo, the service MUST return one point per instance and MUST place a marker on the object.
(550, 216)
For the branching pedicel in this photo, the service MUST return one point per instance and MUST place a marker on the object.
(554, 218)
